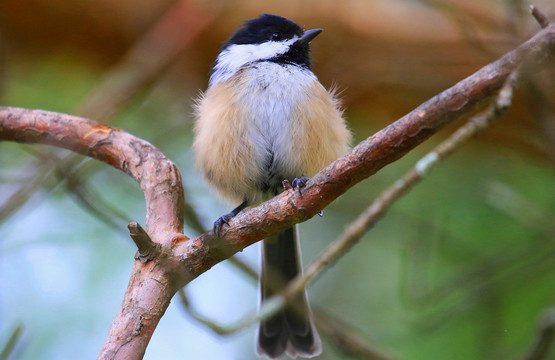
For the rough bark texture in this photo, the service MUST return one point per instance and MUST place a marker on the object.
(178, 259)
(150, 289)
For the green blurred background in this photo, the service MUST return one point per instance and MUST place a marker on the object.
(461, 268)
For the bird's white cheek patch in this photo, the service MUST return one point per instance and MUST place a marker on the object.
(235, 56)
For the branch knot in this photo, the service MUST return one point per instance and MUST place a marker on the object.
(147, 249)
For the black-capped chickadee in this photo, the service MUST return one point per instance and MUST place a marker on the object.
(265, 118)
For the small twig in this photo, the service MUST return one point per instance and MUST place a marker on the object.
(539, 16)
(544, 339)
(78, 188)
(204, 320)
(517, 206)
(148, 249)
(245, 268)
(25, 191)
(10, 345)
(271, 307)
(346, 338)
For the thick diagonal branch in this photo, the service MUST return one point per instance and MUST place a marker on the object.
(372, 154)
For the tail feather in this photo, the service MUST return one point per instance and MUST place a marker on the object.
(291, 330)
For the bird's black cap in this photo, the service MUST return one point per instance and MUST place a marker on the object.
(268, 27)
(264, 28)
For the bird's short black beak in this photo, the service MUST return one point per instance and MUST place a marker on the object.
(309, 35)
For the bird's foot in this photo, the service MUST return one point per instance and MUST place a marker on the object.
(224, 220)
(219, 224)
(299, 183)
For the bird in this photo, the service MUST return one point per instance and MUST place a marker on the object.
(265, 118)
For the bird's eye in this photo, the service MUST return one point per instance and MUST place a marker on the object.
(275, 36)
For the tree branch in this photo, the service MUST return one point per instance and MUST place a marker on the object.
(151, 286)
(346, 338)
(372, 154)
(155, 174)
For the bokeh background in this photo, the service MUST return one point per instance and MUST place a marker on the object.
(461, 268)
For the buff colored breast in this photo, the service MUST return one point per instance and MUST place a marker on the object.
(266, 123)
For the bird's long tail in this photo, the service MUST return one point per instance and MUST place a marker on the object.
(291, 330)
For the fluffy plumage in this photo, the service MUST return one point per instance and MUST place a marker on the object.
(266, 123)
